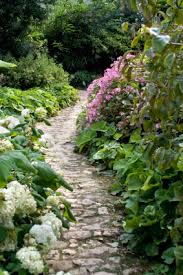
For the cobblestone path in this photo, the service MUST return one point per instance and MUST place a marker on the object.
(91, 246)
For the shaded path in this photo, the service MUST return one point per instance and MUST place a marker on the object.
(92, 245)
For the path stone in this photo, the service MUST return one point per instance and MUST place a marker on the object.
(92, 245)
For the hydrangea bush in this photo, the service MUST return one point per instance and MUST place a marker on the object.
(138, 134)
(32, 210)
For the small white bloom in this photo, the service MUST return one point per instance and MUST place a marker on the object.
(52, 220)
(25, 112)
(43, 234)
(25, 203)
(40, 113)
(53, 200)
(7, 208)
(11, 122)
(10, 242)
(46, 141)
(4, 130)
(5, 145)
(30, 259)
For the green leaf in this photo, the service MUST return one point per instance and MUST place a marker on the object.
(68, 214)
(134, 181)
(168, 255)
(3, 233)
(6, 65)
(135, 41)
(151, 249)
(125, 26)
(169, 60)
(136, 137)
(178, 251)
(48, 177)
(159, 42)
(133, 4)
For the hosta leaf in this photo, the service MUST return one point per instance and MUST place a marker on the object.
(48, 177)
(168, 255)
(134, 182)
(151, 249)
(11, 160)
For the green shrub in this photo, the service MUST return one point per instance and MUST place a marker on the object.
(34, 71)
(136, 131)
(66, 95)
(82, 78)
(13, 101)
(87, 36)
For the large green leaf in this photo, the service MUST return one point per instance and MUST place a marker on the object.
(6, 65)
(13, 160)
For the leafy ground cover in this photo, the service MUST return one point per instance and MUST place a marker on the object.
(133, 126)
(33, 212)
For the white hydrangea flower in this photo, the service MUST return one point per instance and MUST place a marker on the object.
(4, 130)
(5, 145)
(30, 259)
(10, 242)
(40, 113)
(52, 220)
(5, 273)
(43, 234)
(25, 203)
(11, 122)
(7, 208)
(46, 141)
(25, 113)
(53, 200)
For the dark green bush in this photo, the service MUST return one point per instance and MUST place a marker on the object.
(82, 78)
(16, 17)
(39, 71)
(87, 36)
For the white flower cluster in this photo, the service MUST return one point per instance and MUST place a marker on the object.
(40, 113)
(5, 145)
(25, 113)
(30, 259)
(49, 231)
(9, 122)
(46, 141)
(7, 208)
(25, 203)
(10, 242)
(3, 130)
(15, 199)
(52, 220)
(53, 200)
(43, 234)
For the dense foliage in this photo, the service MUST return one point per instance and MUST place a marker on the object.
(33, 211)
(87, 36)
(16, 17)
(133, 126)
(33, 71)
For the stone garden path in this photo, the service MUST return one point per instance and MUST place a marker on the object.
(91, 246)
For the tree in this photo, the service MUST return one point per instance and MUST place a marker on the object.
(16, 16)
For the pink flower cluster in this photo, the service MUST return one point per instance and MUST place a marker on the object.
(103, 89)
